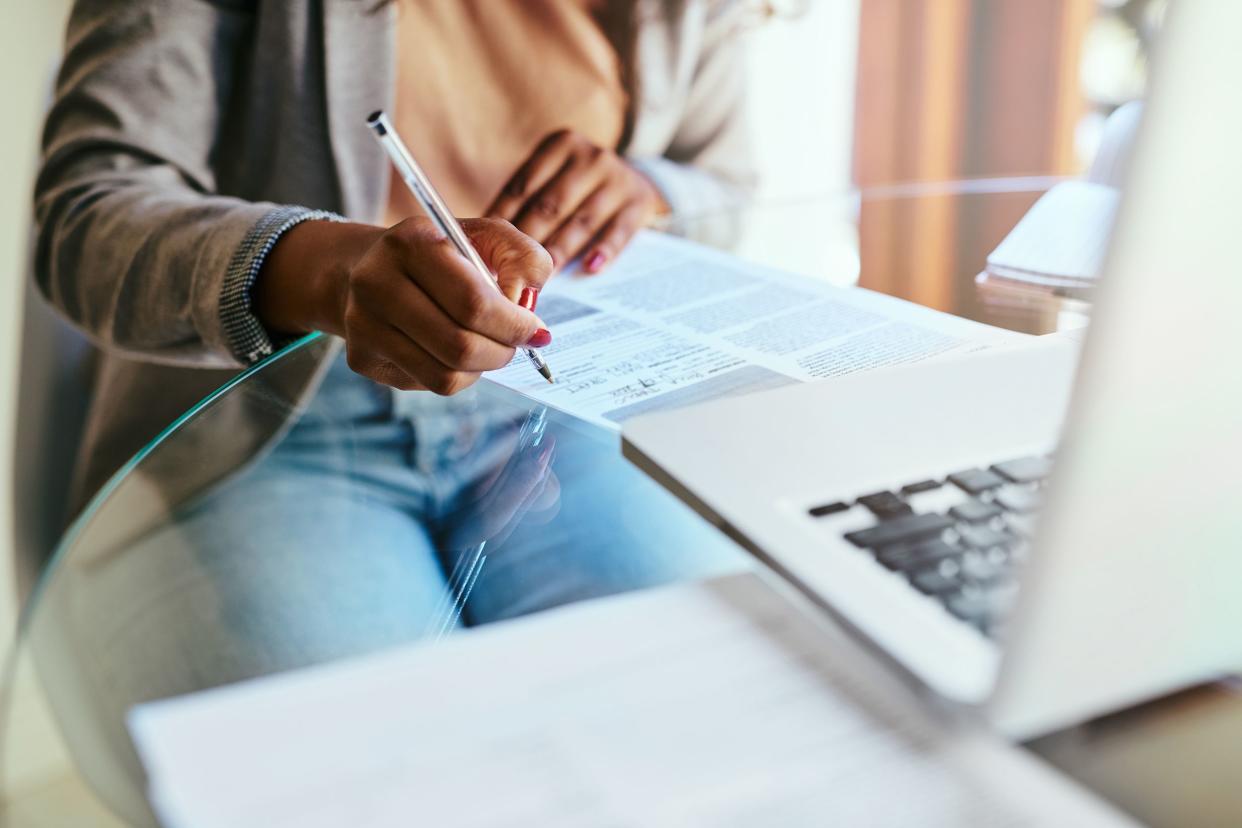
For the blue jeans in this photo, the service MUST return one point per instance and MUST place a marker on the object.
(359, 531)
(346, 537)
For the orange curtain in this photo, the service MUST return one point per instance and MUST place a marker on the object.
(951, 89)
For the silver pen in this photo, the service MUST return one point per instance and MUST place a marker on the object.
(436, 209)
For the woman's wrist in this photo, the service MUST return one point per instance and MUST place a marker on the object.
(302, 284)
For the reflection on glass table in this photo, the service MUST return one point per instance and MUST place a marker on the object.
(355, 527)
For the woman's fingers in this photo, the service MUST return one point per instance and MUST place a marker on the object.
(561, 197)
(469, 298)
(417, 317)
(547, 158)
(517, 260)
(386, 354)
(388, 374)
(610, 241)
(570, 239)
(578, 198)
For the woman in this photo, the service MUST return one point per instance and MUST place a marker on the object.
(189, 137)
(209, 191)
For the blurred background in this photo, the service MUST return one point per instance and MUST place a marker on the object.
(902, 107)
(907, 136)
(30, 40)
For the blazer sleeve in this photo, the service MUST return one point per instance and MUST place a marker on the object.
(707, 175)
(134, 245)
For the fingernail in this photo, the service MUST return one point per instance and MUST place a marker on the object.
(529, 298)
(595, 262)
(541, 339)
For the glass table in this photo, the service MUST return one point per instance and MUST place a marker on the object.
(272, 528)
(350, 531)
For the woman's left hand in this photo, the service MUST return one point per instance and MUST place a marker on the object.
(578, 199)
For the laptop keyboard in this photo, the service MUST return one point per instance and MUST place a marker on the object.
(955, 539)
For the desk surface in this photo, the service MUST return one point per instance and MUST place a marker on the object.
(190, 571)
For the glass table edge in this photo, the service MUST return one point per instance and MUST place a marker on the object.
(75, 528)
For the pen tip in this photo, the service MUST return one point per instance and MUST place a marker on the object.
(547, 374)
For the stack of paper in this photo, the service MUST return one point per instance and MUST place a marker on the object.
(715, 704)
(1059, 245)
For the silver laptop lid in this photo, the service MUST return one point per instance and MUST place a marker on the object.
(1135, 587)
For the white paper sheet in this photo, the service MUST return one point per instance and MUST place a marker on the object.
(715, 704)
(673, 323)
(1062, 240)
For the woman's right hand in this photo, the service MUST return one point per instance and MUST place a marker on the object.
(413, 312)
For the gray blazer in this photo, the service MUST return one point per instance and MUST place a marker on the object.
(187, 135)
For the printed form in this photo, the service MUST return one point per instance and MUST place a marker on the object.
(673, 323)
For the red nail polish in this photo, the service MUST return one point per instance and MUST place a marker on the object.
(529, 298)
(594, 263)
(541, 339)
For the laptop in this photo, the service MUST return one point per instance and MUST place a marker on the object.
(1048, 532)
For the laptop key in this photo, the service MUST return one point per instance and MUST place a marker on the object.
(1024, 469)
(984, 608)
(937, 580)
(906, 529)
(974, 606)
(939, 501)
(1022, 525)
(1015, 499)
(982, 569)
(905, 557)
(885, 505)
(983, 537)
(976, 481)
(828, 509)
(921, 486)
(975, 511)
